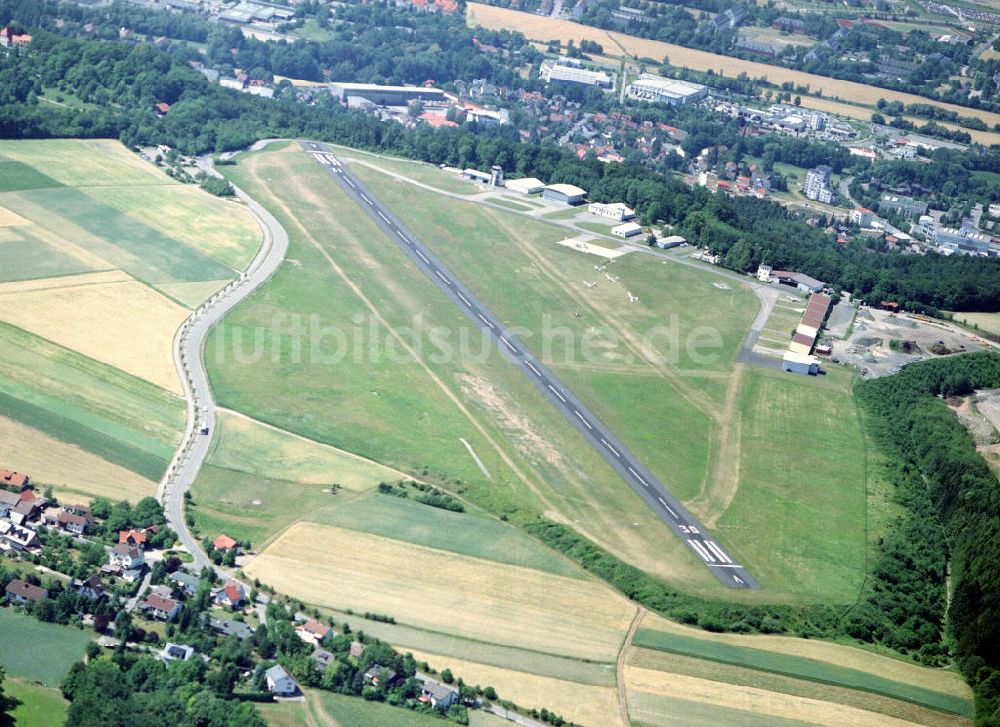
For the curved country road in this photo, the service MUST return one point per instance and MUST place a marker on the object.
(189, 344)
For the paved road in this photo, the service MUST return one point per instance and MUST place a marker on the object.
(649, 488)
(188, 349)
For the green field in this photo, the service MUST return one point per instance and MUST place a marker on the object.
(39, 706)
(87, 403)
(409, 417)
(15, 176)
(808, 499)
(38, 651)
(800, 668)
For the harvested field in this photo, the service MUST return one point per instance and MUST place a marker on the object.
(850, 657)
(124, 324)
(676, 664)
(752, 699)
(223, 230)
(655, 710)
(539, 28)
(445, 592)
(580, 703)
(50, 461)
(84, 163)
(246, 445)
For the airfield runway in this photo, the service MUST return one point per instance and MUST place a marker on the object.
(649, 488)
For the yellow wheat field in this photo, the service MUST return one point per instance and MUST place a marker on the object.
(752, 699)
(123, 323)
(66, 466)
(446, 592)
(584, 704)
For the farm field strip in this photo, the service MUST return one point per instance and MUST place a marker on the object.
(801, 668)
(670, 663)
(583, 704)
(443, 591)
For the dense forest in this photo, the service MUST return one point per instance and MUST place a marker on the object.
(953, 510)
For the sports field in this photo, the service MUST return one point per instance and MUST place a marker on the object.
(859, 97)
(381, 399)
(734, 461)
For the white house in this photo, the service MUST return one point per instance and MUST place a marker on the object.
(279, 682)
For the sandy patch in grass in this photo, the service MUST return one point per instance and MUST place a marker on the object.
(752, 699)
(51, 462)
(9, 218)
(124, 324)
(444, 591)
(580, 703)
(246, 445)
(839, 654)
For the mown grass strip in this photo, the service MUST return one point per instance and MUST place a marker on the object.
(801, 668)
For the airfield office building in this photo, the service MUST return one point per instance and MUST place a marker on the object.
(386, 95)
(565, 193)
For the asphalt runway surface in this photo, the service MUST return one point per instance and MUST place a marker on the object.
(648, 487)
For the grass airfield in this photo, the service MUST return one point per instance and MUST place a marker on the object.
(484, 588)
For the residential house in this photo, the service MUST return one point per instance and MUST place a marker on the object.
(322, 658)
(73, 523)
(133, 537)
(378, 675)
(125, 561)
(229, 627)
(12, 478)
(279, 682)
(232, 595)
(157, 607)
(91, 588)
(176, 652)
(8, 501)
(313, 632)
(224, 543)
(440, 696)
(19, 591)
(17, 537)
(184, 581)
